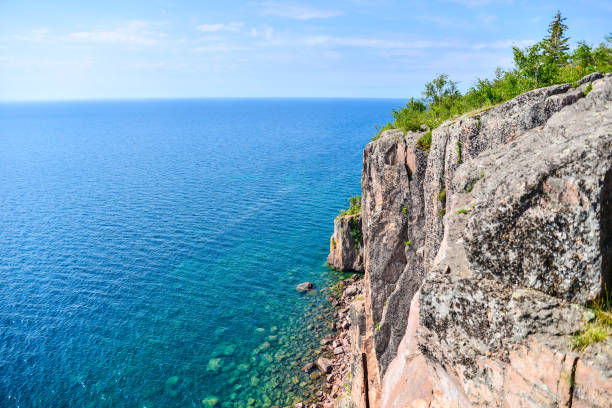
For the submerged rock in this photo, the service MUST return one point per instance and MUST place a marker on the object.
(304, 287)
(210, 401)
(172, 380)
(214, 365)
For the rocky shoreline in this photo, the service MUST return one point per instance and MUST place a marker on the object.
(335, 358)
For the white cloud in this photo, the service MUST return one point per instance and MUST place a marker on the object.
(210, 28)
(266, 33)
(295, 11)
(221, 48)
(504, 44)
(132, 33)
(39, 35)
(373, 43)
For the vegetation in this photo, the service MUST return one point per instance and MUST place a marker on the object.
(462, 211)
(424, 142)
(355, 232)
(338, 289)
(408, 243)
(545, 63)
(459, 156)
(598, 327)
(442, 195)
(354, 208)
(405, 210)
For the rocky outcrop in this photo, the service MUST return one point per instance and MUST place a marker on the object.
(393, 221)
(346, 244)
(481, 255)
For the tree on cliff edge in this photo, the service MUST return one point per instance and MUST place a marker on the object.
(556, 44)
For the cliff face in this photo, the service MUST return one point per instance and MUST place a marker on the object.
(346, 244)
(481, 255)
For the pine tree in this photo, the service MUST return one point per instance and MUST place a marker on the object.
(556, 42)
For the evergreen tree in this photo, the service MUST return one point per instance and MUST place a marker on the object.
(556, 42)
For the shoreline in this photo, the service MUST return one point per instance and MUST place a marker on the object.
(335, 358)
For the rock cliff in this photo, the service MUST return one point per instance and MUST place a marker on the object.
(346, 244)
(480, 257)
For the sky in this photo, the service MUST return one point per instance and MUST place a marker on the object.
(63, 50)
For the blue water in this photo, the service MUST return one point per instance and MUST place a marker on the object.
(149, 250)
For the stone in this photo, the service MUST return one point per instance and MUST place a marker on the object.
(308, 367)
(338, 350)
(210, 401)
(325, 364)
(172, 380)
(304, 287)
(351, 291)
(344, 253)
(214, 365)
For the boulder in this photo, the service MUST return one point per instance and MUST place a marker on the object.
(346, 244)
(304, 287)
(325, 364)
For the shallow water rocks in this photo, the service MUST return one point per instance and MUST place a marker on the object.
(351, 290)
(214, 365)
(304, 287)
(210, 401)
(324, 364)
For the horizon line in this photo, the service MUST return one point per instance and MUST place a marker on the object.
(163, 98)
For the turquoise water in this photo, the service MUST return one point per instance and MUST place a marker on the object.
(149, 250)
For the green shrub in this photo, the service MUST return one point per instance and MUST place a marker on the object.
(408, 243)
(442, 212)
(462, 211)
(354, 208)
(588, 89)
(442, 195)
(545, 63)
(424, 142)
(355, 233)
(593, 333)
(598, 327)
(459, 157)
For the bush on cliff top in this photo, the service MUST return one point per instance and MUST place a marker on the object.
(354, 208)
(546, 63)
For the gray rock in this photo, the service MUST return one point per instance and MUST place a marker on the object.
(392, 213)
(351, 291)
(526, 241)
(532, 242)
(345, 251)
(304, 287)
(325, 365)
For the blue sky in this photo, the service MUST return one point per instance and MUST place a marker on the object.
(347, 48)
